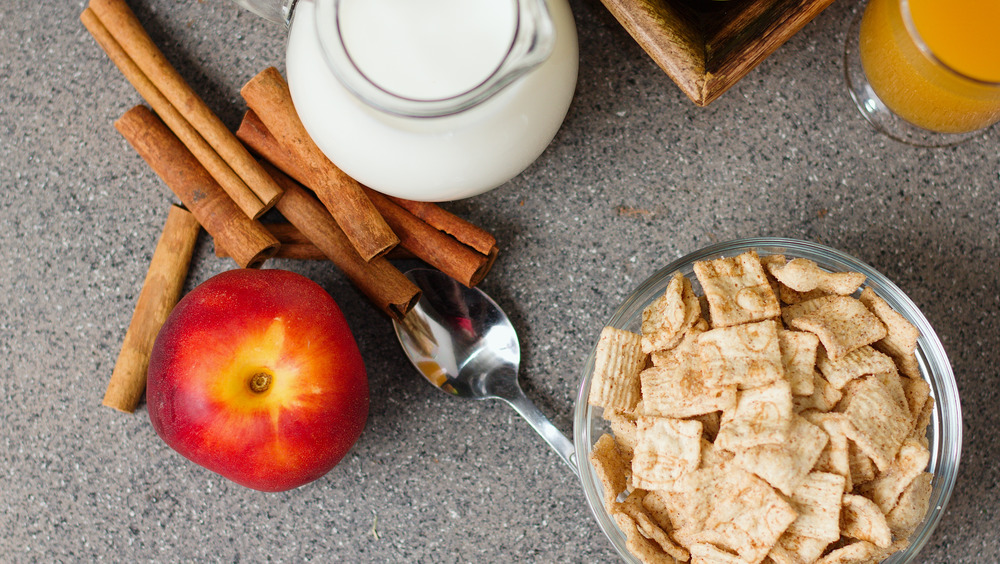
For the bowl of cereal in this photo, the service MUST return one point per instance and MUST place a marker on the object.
(768, 400)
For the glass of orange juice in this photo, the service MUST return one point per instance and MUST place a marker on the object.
(926, 72)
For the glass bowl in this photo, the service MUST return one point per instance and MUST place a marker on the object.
(944, 432)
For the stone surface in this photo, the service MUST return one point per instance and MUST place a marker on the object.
(637, 176)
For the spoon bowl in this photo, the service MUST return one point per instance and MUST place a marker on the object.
(460, 340)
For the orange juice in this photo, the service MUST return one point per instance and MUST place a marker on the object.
(935, 63)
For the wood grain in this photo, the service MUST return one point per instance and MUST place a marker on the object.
(708, 47)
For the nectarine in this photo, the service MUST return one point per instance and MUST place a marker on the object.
(256, 376)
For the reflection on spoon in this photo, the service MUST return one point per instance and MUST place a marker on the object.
(462, 342)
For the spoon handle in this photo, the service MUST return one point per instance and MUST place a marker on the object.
(541, 424)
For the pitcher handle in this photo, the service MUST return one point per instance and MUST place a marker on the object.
(277, 11)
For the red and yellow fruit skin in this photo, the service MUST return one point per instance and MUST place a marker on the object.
(246, 323)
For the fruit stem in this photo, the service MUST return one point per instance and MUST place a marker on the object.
(260, 382)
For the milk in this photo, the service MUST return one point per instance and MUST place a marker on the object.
(427, 49)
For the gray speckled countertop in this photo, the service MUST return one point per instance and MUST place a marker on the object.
(636, 177)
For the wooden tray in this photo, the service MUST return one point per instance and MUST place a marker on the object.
(706, 46)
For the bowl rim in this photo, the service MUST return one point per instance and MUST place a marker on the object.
(935, 368)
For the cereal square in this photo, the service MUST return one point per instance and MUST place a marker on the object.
(886, 489)
(823, 398)
(666, 449)
(787, 464)
(639, 544)
(863, 470)
(804, 275)
(610, 469)
(912, 506)
(861, 519)
(919, 428)
(842, 323)
(817, 503)
(648, 526)
(623, 427)
(707, 553)
(686, 352)
(679, 391)
(762, 416)
(665, 321)
(747, 516)
(878, 424)
(916, 390)
(747, 356)
(901, 336)
(855, 364)
(737, 290)
(854, 553)
(798, 359)
(617, 363)
(806, 549)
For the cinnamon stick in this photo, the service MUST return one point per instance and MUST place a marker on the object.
(286, 232)
(377, 279)
(309, 251)
(255, 135)
(268, 96)
(430, 245)
(160, 292)
(296, 246)
(249, 243)
(443, 220)
(295, 251)
(122, 25)
(245, 198)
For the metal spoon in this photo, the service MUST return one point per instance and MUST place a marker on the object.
(462, 342)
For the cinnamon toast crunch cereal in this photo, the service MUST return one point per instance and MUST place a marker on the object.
(747, 432)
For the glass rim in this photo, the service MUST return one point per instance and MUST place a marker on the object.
(925, 49)
(946, 432)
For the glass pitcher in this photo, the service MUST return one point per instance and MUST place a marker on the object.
(429, 99)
